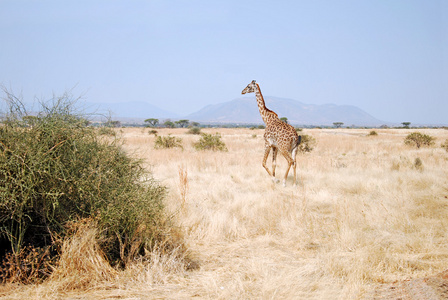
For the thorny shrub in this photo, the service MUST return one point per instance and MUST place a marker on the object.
(55, 169)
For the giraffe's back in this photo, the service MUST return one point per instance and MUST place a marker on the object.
(281, 135)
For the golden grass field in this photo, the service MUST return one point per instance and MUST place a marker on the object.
(361, 215)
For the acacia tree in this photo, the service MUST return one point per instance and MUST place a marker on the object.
(284, 119)
(406, 124)
(338, 124)
(183, 123)
(169, 124)
(152, 122)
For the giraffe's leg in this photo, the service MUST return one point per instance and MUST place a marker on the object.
(266, 154)
(290, 162)
(294, 165)
(274, 160)
(265, 158)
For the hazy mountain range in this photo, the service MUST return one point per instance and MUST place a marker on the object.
(245, 110)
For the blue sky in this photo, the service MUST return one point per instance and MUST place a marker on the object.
(388, 57)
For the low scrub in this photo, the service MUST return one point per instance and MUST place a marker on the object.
(166, 142)
(210, 142)
(445, 145)
(307, 143)
(194, 130)
(153, 131)
(418, 139)
(55, 170)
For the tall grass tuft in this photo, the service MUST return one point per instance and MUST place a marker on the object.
(54, 169)
(82, 263)
(183, 185)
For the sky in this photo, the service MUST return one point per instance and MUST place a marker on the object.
(387, 57)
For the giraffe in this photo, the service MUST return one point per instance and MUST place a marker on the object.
(278, 135)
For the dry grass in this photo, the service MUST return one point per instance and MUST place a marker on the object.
(362, 214)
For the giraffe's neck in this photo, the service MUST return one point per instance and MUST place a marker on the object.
(266, 114)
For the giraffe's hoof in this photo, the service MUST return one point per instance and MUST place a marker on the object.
(275, 180)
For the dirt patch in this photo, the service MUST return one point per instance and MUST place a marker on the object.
(434, 287)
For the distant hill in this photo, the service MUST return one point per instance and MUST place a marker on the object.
(245, 110)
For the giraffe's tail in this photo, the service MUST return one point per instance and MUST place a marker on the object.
(299, 140)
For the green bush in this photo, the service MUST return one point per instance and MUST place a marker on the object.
(194, 130)
(373, 133)
(58, 170)
(210, 142)
(418, 139)
(307, 143)
(166, 142)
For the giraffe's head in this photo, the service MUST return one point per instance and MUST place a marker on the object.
(250, 88)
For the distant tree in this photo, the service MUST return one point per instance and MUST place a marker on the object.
(111, 123)
(406, 124)
(195, 124)
(169, 124)
(152, 122)
(183, 123)
(338, 124)
(284, 119)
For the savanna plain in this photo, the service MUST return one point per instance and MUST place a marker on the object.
(367, 210)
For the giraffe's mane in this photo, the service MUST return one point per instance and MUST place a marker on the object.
(262, 98)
